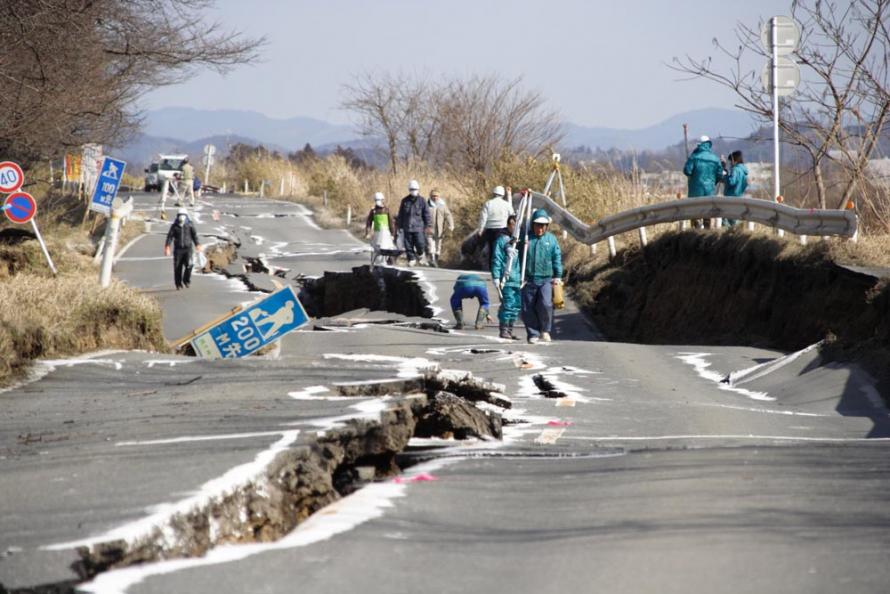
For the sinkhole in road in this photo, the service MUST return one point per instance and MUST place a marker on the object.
(378, 288)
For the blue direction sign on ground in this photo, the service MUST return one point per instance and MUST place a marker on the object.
(106, 187)
(250, 329)
(20, 207)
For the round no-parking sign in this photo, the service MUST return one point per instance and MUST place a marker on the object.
(20, 207)
(11, 177)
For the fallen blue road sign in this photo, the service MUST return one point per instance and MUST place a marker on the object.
(106, 187)
(252, 328)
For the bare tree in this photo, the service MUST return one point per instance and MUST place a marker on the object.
(841, 106)
(377, 101)
(72, 70)
(465, 124)
(486, 118)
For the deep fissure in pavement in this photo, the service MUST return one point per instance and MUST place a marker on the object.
(312, 474)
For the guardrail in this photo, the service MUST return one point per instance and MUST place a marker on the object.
(800, 221)
(842, 223)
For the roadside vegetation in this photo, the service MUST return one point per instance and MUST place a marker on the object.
(47, 317)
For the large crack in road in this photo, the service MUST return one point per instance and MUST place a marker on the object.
(629, 467)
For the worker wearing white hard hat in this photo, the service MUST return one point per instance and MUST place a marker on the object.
(705, 171)
(493, 218)
(413, 223)
(442, 223)
(379, 225)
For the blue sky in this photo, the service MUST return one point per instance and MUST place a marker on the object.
(598, 63)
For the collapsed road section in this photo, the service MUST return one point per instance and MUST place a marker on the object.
(301, 472)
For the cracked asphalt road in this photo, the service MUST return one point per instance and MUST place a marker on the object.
(647, 476)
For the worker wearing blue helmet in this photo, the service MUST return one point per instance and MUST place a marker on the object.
(543, 269)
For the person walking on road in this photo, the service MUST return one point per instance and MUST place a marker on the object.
(493, 218)
(182, 236)
(543, 270)
(705, 171)
(508, 281)
(187, 182)
(469, 286)
(413, 222)
(442, 220)
(735, 181)
(379, 226)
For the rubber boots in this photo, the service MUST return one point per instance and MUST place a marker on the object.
(458, 318)
(480, 318)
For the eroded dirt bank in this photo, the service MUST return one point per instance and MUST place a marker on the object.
(741, 289)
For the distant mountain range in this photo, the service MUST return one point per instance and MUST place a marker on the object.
(187, 130)
(712, 122)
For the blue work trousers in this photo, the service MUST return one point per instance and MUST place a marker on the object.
(537, 307)
(462, 292)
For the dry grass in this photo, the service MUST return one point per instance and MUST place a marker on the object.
(67, 316)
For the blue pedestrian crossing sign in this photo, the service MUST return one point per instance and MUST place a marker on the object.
(106, 186)
(252, 328)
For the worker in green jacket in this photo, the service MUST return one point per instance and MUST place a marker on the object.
(736, 180)
(704, 170)
(543, 269)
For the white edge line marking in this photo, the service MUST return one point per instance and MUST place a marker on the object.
(366, 504)
(698, 362)
(124, 249)
(739, 436)
(218, 487)
(188, 439)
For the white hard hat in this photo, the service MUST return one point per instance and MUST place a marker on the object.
(498, 191)
(182, 210)
(378, 197)
(705, 138)
(413, 185)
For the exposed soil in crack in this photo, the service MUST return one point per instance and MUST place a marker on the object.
(306, 477)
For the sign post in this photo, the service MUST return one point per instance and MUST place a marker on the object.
(209, 151)
(250, 329)
(119, 210)
(20, 207)
(779, 37)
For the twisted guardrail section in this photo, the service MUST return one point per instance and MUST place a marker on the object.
(800, 221)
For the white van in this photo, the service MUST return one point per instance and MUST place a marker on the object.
(169, 166)
(152, 182)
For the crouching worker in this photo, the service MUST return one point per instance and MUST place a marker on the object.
(543, 269)
(505, 274)
(469, 286)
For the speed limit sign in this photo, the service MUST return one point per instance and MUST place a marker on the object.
(11, 177)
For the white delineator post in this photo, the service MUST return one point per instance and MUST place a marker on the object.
(119, 210)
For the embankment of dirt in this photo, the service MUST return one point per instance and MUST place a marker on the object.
(742, 289)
